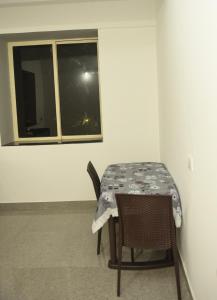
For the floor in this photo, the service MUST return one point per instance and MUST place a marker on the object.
(47, 252)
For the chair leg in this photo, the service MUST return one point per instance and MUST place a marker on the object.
(119, 270)
(176, 264)
(132, 255)
(99, 241)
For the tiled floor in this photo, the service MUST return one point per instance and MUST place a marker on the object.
(47, 252)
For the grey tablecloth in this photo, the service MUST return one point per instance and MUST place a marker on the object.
(134, 178)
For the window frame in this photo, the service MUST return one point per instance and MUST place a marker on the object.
(59, 138)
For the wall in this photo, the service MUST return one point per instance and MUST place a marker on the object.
(90, 14)
(128, 75)
(187, 62)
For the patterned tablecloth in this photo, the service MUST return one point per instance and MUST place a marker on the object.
(134, 178)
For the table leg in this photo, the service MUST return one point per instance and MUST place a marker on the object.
(112, 242)
(169, 255)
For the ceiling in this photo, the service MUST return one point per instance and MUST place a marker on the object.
(11, 3)
(29, 2)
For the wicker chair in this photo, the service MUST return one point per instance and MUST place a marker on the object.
(146, 221)
(96, 184)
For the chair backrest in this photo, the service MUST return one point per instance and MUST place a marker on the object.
(95, 179)
(146, 221)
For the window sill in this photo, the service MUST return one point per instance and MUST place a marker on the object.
(52, 143)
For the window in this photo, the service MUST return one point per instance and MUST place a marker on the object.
(55, 91)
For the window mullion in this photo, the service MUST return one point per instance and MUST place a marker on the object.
(56, 88)
(13, 93)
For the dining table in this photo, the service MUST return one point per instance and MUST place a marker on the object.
(145, 178)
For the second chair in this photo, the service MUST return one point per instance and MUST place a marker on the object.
(96, 184)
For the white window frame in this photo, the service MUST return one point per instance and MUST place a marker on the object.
(59, 138)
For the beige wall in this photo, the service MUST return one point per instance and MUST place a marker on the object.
(127, 61)
(187, 48)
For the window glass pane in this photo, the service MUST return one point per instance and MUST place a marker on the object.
(35, 97)
(79, 90)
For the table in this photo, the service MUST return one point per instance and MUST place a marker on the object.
(148, 178)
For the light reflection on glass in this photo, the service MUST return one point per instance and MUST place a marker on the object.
(86, 76)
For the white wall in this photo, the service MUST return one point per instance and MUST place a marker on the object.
(91, 14)
(127, 62)
(187, 48)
